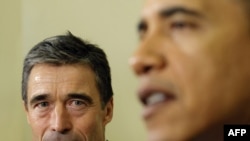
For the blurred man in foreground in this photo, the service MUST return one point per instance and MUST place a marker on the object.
(193, 67)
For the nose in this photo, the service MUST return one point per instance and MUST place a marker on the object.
(147, 58)
(60, 120)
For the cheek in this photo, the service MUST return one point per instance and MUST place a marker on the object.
(190, 71)
(207, 79)
(194, 76)
(38, 125)
(89, 125)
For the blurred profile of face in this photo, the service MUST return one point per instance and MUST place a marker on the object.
(192, 63)
(63, 104)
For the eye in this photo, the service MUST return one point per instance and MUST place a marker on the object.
(43, 104)
(142, 28)
(77, 104)
(181, 25)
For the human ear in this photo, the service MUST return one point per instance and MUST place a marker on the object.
(108, 112)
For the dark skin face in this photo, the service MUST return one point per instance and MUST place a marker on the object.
(63, 104)
(192, 63)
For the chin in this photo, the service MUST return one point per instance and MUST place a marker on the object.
(170, 134)
(159, 135)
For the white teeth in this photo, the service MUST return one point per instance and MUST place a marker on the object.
(155, 98)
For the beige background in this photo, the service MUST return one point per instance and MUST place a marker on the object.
(109, 23)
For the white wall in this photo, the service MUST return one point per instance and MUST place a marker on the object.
(109, 23)
(12, 118)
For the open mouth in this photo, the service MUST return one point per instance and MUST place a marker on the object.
(154, 95)
(155, 102)
(156, 98)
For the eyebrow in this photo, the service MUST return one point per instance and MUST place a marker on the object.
(39, 97)
(168, 12)
(81, 96)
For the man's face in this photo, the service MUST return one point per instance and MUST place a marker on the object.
(63, 104)
(193, 66)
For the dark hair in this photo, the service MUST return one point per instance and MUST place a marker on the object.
(68, 49)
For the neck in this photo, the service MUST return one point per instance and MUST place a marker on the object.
(213, 134)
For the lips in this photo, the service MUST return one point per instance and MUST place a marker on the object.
(155, 99)
(155, 94)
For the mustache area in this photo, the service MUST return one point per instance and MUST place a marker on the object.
(56, 136)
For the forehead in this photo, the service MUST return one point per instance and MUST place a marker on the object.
(77, 72)
(46, 78)
(214, 7)
(62, 80)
